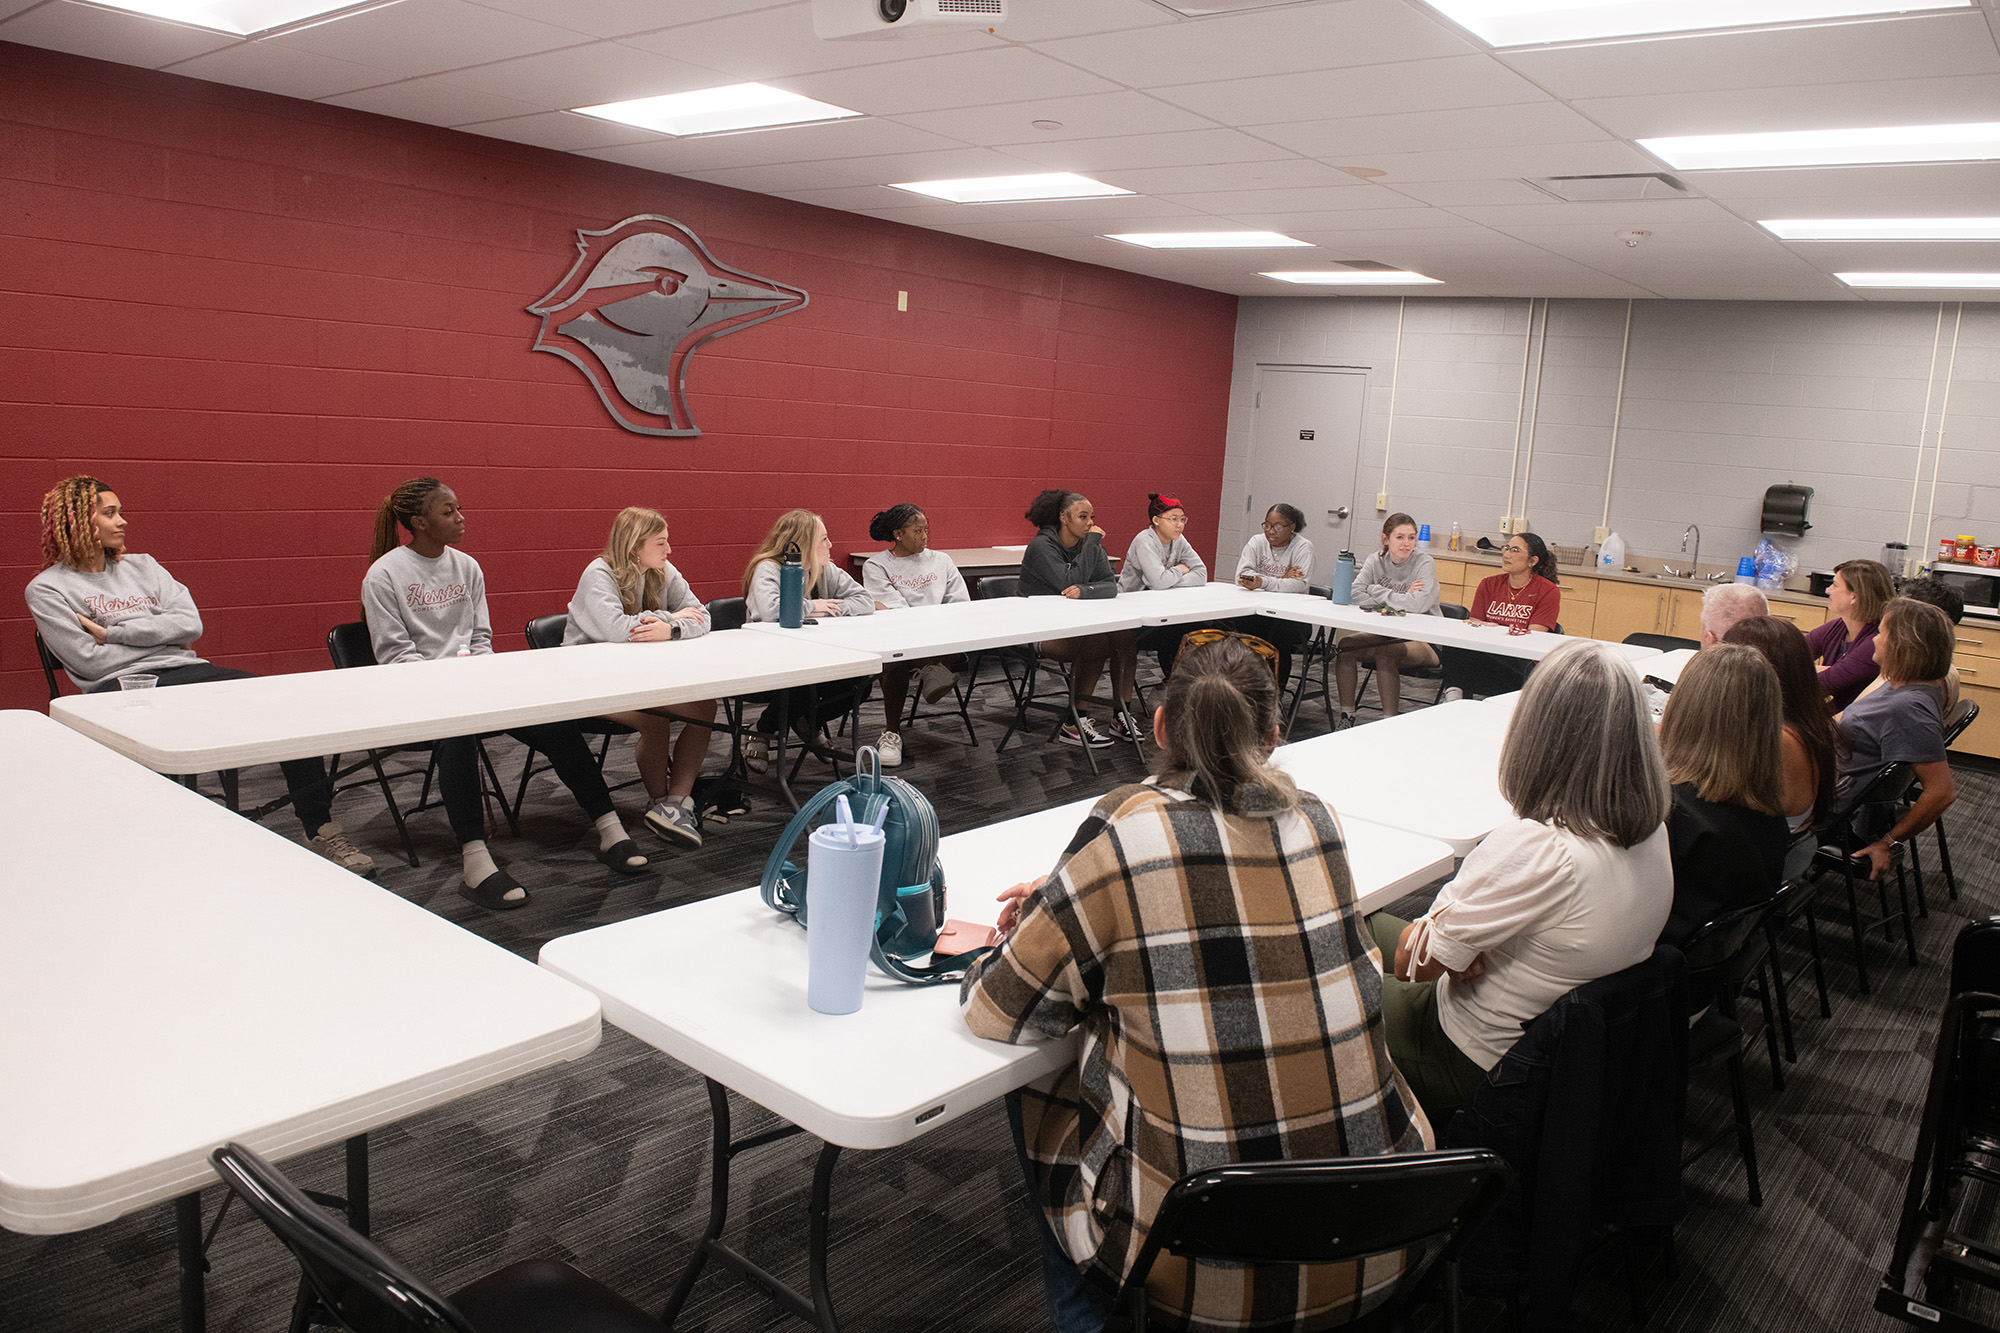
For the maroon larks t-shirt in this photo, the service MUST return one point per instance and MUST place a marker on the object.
(1539, 603)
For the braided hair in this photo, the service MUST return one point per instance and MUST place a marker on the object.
(68, 535)
(884, 526)
(398, 508)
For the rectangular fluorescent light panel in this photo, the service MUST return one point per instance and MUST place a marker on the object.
(740, 106)
(1932, 281)
(1884, 229)
(238, 17)
(1013, 189)
(1529, 22)
(1830, 148)
(1207, 240)
(1350, 277)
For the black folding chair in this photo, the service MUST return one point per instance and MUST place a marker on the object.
(1666, 643)
(547, 632)
(1724, 958)
(1022, 658)
(49, 667)
(1887, 788)
(355, 1283)
(1450, 611)
(1944, 1266)
(1340, 1210)
(1962, 715)
(349, 645)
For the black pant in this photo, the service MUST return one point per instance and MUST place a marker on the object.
(1484, 674)
(312, 797)
(1287, 636)
(835, 697)
(562, 742)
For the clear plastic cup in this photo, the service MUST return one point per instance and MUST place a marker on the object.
(140, 688)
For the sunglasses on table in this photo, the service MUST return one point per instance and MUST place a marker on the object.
(1201, 638)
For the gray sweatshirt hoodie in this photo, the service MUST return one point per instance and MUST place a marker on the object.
(149, 620)
(1047, 567)
(1149, 563)
(1258, 558)
(762, 603)
(1382, 582)
(420, 610)
(927, 578)
(597, 612)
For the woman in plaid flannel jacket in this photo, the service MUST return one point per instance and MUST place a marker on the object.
(1201, 931)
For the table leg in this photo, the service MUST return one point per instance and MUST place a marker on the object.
(819, 1310)
(187, 1238)
(357, 1183)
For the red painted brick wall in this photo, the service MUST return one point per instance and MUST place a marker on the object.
(254, 315)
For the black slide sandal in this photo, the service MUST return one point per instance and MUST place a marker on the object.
(492, 892)
(619, 857)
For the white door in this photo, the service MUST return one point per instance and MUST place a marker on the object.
(1306, 452)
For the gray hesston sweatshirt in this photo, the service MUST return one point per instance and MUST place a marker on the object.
(597, 612)
(420, 610)
(149, 620)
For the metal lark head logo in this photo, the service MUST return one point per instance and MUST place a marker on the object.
(641, 298)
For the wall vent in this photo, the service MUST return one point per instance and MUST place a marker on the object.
(1369, 265)
(1625, 188)
(973, 7)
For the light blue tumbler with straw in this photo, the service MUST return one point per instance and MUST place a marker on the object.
(841, 882)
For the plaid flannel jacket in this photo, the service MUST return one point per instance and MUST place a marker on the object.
(1230, 999)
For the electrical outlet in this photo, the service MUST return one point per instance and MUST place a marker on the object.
(1506, 525)
(903, 301)
(1601, 534)
(1381, 502)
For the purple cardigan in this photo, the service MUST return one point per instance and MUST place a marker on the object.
(1849, 666)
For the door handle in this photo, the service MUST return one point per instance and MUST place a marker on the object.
(1340, 513)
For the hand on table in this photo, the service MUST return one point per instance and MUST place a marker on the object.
(689, 613)
(652, 631)
(1072, 593)
(97, 631)
(1417, 587)
(1294, 572)
(825, 606)
(1250, 581)
(1011, 901)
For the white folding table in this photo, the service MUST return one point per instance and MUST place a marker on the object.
(1667, 667)
(721, 986)
(1426, 629)
(178, 977)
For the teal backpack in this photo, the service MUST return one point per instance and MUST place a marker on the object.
(909, 908)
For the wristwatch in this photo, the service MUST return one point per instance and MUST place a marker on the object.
(676, 629)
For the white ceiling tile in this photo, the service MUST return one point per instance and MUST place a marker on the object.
(826, 142)
(432, 102)
(1409, 85)
(1276, 41)
(1453, 194)
(1335, 223)
(1362, 138)
(277, 69)
(771, 43)
(1972, 184)
(104, 34)
(613, 18)
(1551, 212)
(1966, 97)
(1272, 201)
(1292, 173)
(560, 130)
(1000, 230)
(8, 8)
(587, 76)
(1134, 152)
(975, 78)
(1074, 18)
(1121, 213)
(1715, 252)
(428, 36)
(942, 164)
(870, 199)
(781, 178)
(1556, 159)
(1099, 115)
(1396, 244)
(1925, 47)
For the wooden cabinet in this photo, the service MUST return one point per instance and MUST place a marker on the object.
(1807, 618)
(1628, 608)
(1983, 736)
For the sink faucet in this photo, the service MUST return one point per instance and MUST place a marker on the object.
(1694, 570)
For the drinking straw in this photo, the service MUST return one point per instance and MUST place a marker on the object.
(846, 812)
(881, 816)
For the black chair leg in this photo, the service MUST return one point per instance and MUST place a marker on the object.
(1944, 859)
(229, 781)
(1778, 990)
(499, 792)
(1818, 964)
(1917, 873)
(1854, 921)
(1909, 927)
(1764, 969)
(1746, 1142)
(389, 799)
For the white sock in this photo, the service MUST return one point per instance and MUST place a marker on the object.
(610, 832)
(479, 867)
(684, 802)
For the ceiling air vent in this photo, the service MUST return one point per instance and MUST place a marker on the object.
(1369, 265)
(1621, 188)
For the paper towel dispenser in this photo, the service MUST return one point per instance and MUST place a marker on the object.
(1785, 510)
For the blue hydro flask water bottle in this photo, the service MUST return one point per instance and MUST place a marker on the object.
(1343, 579)
(792, 589)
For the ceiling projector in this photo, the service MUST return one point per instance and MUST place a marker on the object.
(846, 19)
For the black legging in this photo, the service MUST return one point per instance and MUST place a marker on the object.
(835, 698)
(1484, 674)
(304, 778)
(562, 742)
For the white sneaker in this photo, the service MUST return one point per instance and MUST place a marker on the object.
(331, 842)
(1083, 732)
(936, 680)
(889, 745)
(1451, 695)
(757, 752)
(672, 821)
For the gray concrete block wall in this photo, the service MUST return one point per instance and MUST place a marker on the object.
(1722, 399)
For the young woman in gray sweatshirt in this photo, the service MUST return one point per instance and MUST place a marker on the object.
(1066, 559)
(1159, 558)
(828, 592)
(908, 574)
(427, 601)
(106, 613)
(632, 594)
(1278, 559)
(1397, 578)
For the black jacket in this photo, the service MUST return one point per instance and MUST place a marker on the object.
(1587, 1108)
(1047, 566)
(1725, 857)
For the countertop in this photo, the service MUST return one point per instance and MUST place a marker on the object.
(1492, 561)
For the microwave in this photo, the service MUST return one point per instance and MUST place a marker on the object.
(1979, 586)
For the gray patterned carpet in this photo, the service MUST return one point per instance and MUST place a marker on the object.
(604, 1162)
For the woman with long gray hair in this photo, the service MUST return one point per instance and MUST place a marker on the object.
(1575, 887)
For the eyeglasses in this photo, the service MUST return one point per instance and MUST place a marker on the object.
(1201, 638)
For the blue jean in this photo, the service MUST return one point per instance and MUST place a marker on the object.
(1076, 1304)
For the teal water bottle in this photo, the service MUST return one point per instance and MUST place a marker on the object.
(1343, 579)
(791, 589)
